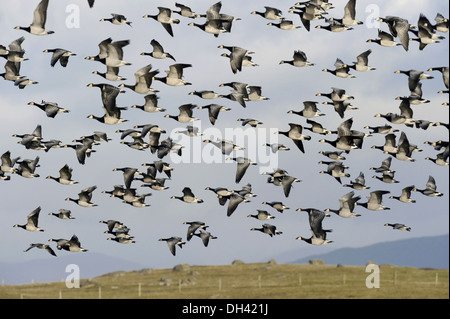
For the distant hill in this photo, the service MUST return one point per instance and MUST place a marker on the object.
(53, 269)
(422, 252)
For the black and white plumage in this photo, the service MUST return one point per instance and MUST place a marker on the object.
(299, 60)
(37, 27)
(63, 214)
(65, 176)
(32, 221)
(164, 17)
(268, 229)
(61, 55)
(430, 189)
(84, 197)
(188, 197)
(173, 242)
(243, 164)
(51, 109)
(42, 246)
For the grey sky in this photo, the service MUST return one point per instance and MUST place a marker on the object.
(286, 86)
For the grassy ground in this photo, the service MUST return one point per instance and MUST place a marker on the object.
(248, 281)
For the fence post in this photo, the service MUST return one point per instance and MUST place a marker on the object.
(100, 292)
(139, 289)
(220, 284)
(436, 280)
(344, 279)
(299, 279)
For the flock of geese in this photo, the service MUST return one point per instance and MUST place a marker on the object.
(149, 137)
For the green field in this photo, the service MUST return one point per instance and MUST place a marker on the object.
(247, 281)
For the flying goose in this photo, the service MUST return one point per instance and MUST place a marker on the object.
(441, 158)
(129, 173)
(243, 164)
(334, 155)
(235, 200)
(270, 13)
(205, 236)
(425, 37)
(175, 75)
(188, 197)
(164, 17)
(12, 72)
(206, 94)
(349, 15)
(81, 150)
(144, 78)
(245, 191)
(398, 226)
(336, 170)
(385, 166)
(277, 147)
(42, 246)
(8, 163)
(84, 197)
(51, 109)
(214, 111)
(172, 242)
(387, 178)
(113, 113)
(158, 51)
(268, 229)
(359, 183)
(319, 234)
(111, 53)
(285, 25)
(60, 243)
(37, 27)
(442, 23)
(347, 204)
(299, 60)
(60, 55)
(185, 114)
(117, 19)
(404, 149)
(111, 74)
(251, 122)
(445, 74)
(24, 82)
(362, 62)
(405, 196)
(63, 214)
(279, 206)
(32, 221)
(295, 134)
(122, 240)
(384, 39)
(223, 194)
(430, 189)
(398, 27)
(186, 11)
(27, 168)
(375, 201)
(262, 215)
(214, 27)
(74, 245)
(286, 182)
(111, 224)
(310, 110)
(236, 57)
(193, 226)
(341, 70)
(226, 147)
(334, 26)
(151, 104)
(65, 176)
